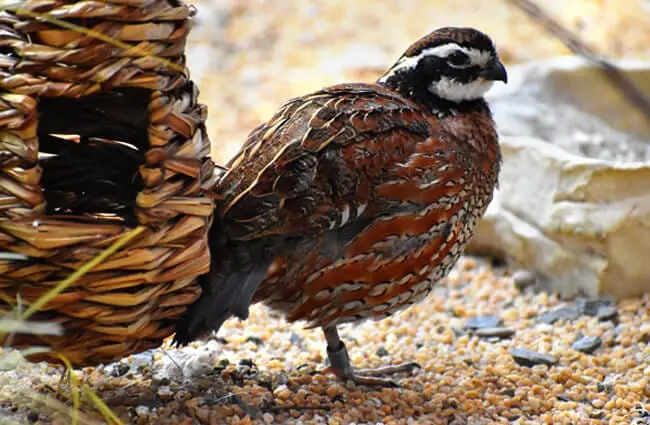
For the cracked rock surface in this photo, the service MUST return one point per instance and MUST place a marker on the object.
(573, 204)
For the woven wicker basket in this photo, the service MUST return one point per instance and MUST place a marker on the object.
(95, 140)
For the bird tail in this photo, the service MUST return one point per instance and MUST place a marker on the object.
(224, 295)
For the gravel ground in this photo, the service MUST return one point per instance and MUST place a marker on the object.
(492, 349)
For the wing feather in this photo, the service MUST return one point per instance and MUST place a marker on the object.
(315, 165)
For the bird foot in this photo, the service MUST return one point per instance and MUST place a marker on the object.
(407, 367)
(341, 367)
(371, 377)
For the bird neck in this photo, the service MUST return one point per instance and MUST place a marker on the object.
(419, 93)
(469, 122)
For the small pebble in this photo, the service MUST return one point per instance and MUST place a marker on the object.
(529, 358)
(563, 397)
(202, 414)
(165, 392)
(587, 344)
(643, 411)
(382, 352)
(496, 332)
(590, 307)
(335, 390)
(282, 379)
(118, 369)
(606, 313)
(141, 360)
(267, 418)
(458, 332)
(482, 322)
(560, 314)
(142, 411)
(282, 392)
(596, 414)
(295, 339)
(523, 279)
(246, 363)
(508, 392)
(255, 340)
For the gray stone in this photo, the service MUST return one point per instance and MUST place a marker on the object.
(141, 360)
(560, 314)
(142, 411)
(587, 344)
(481, 322)
(296, 339)
(117, 369)
(495, 332)
(529, 358)
(523, 279)
(382, 352)
(591, 307)
(644, 338)
(607, 313)
(255, 340)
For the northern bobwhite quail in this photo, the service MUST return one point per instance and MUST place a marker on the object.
(351, 202)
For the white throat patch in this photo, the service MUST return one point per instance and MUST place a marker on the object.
(454, 91)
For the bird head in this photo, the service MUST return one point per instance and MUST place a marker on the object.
(454, 64)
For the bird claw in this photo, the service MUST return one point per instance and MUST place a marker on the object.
(339, 359)
(373, 381)
(390, 369)
(371, 377)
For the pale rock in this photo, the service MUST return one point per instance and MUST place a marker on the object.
(573, 210)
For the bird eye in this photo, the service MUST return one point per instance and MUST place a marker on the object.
(458, 58)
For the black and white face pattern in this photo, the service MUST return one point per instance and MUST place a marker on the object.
(448, 69)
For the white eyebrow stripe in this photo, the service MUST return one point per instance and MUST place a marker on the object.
(477, 57)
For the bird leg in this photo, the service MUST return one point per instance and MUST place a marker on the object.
(341, 367)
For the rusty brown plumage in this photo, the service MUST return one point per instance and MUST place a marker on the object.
(352, 201)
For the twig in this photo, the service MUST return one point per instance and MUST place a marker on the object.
(617, 77)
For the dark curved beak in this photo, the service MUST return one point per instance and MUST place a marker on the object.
(495, 71)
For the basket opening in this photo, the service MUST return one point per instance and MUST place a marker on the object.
(90, 150)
